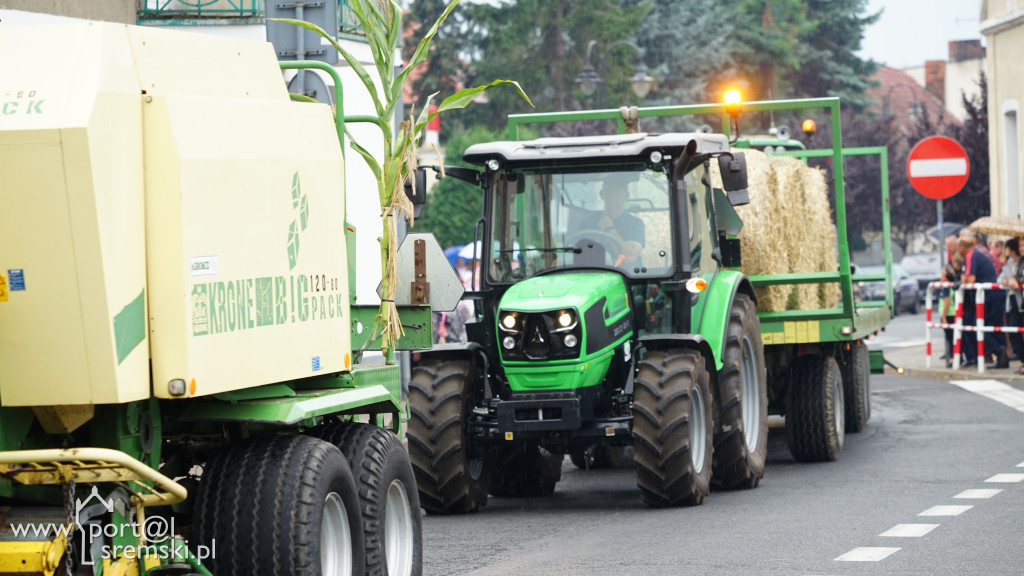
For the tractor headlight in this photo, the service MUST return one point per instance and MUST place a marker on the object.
(508, 342)
(564, 319)
(571, 341)
(509, 321)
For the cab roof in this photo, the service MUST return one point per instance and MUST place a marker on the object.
(599, 149)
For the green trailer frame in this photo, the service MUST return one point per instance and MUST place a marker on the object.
(849, 322)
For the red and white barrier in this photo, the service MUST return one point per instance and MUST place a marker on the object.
(958, 323)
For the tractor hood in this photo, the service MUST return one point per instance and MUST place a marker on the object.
(577, 318)
(579, 290)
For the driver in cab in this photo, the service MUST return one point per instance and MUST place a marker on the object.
(626, 229)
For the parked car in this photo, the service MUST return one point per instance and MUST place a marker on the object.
(906, 293)
(924, 267)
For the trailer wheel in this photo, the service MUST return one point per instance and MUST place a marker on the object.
(441, 396)
(525, 471)
(280, 504)
(855, 365)
(672, 428)
(387, 491)
(741, 432)
(814, 409)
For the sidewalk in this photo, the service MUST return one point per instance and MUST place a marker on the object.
(912, 361)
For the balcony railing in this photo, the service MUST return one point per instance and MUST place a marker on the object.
(199, 12)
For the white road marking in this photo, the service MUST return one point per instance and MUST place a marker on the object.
(945, 510)
(1021, 465)
(867, 554)
(979, 493)
(1006, 478)
(994, 390)
(938, 167)
(909, 530)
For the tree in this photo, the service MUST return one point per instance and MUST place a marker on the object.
(686, 46)
(769, 37)
(542, 43)
(829, 65)
(974, 201)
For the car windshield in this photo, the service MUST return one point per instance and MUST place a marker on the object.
(543, 220)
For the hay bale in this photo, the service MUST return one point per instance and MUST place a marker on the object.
(787, 228)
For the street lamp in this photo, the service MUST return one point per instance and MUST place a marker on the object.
(591, 80)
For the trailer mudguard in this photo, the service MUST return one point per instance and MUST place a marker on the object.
(714, 316)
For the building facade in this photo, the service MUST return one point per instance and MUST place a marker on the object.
(1002, 23)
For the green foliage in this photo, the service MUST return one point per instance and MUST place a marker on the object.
(686, 47)
(542, 43)
(829, 62)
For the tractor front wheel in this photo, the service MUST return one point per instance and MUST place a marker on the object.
(442, 394)
(672, 428)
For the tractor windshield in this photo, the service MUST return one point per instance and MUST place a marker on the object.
(542, 220)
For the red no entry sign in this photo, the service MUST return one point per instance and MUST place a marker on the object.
(938, 167)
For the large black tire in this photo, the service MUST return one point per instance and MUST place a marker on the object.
(597, 456)
(269, 503)
(441, 396)
(855, 365)
(814, 409)
(387, 491)
(672, 428)
(741, 431)
(525, 471)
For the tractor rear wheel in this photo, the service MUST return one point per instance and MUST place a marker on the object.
(741, 431)
(855, 365)
(814, 409)
(387, 492)
(441, 396)
(525, 471)
(280, 504)
(672, 428)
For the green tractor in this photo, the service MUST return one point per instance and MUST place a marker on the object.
(606, 320)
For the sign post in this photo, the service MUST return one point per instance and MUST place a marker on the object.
(938, 168)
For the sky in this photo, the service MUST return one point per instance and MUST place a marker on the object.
(912, 31)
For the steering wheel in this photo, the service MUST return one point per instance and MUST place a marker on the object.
(611, 244)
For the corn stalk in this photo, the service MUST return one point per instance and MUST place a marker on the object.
(381, 21)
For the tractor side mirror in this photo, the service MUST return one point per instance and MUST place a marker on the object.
(418, 195)
(733, 167)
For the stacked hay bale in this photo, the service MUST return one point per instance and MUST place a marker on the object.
(787, 228)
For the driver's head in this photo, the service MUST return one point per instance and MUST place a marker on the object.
(615, 190)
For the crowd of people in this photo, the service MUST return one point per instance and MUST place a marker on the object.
(971, 261)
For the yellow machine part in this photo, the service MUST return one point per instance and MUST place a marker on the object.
(164, 204)
(42, 558)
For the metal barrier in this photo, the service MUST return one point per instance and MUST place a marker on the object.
(958, 322)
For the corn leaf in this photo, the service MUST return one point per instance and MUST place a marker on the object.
(462, 98)
(424, 46)
(370, 160)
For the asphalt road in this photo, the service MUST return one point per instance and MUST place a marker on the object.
(928, 442)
